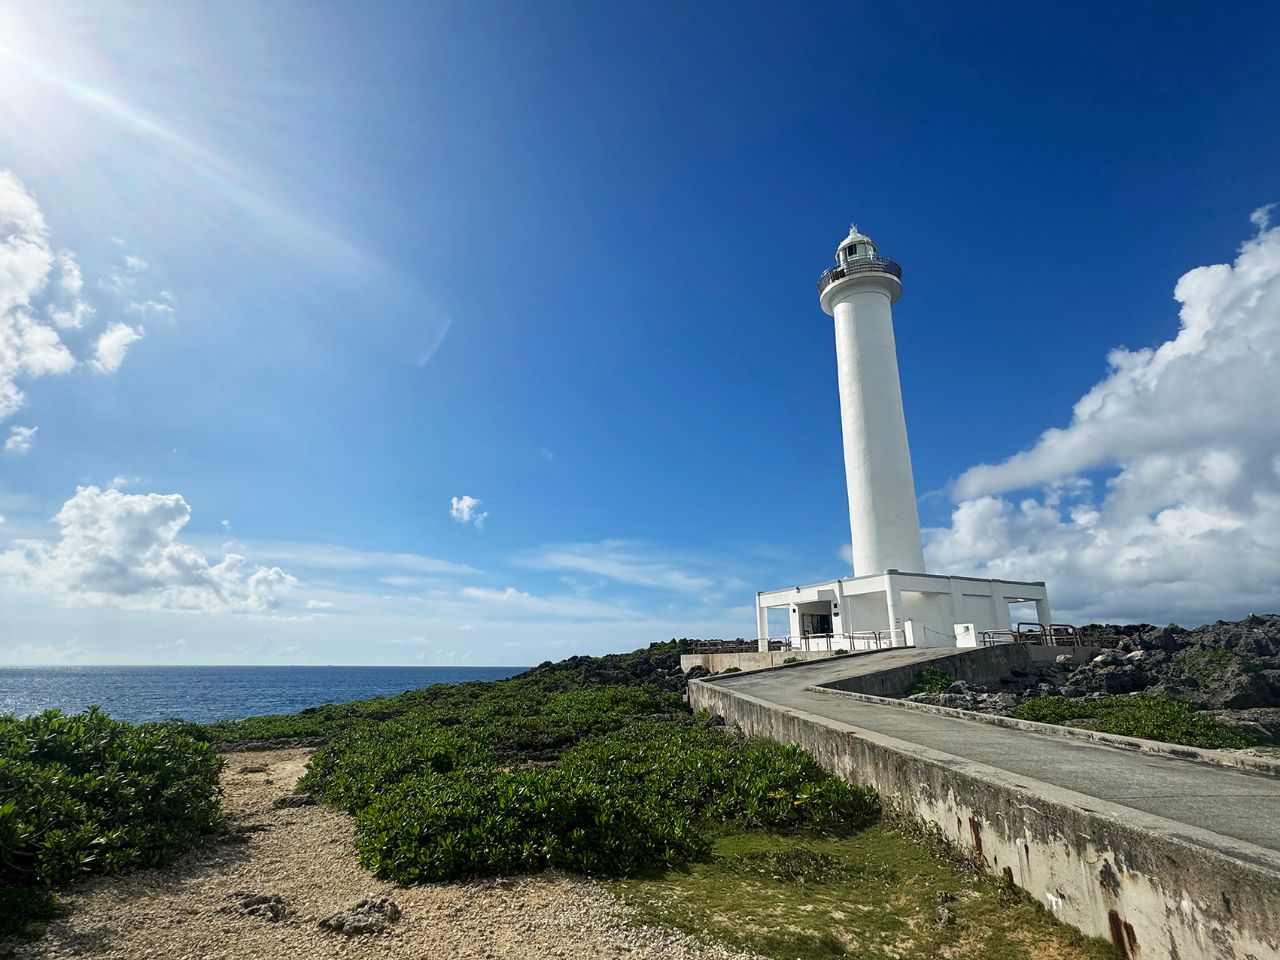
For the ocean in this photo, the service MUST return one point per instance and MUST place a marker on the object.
(206, 694)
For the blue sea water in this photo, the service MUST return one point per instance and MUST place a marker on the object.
(205, 694)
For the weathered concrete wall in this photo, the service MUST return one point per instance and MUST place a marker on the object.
(1154, 888)
(719, 662)
(984, 665)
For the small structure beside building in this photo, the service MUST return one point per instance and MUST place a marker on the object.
(890, 601)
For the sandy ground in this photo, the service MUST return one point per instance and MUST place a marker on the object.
(305, 856)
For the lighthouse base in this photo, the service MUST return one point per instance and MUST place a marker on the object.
(896, 609)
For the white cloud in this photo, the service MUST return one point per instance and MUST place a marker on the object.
(467, 510)
(123, 550)
(28, 348)
(36, 283)
(20, 439)
(624, 561)
(112, 345)
(1187, 524)
(72, 311)
(328, 556)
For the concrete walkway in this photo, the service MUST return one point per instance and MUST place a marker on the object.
(1232, 803)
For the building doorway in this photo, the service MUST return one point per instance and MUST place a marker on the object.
(815, 624)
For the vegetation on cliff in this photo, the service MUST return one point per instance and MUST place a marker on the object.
(1149, 716)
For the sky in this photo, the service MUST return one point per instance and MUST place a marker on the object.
(487, 333)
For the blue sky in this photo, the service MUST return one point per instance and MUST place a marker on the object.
(341, 264)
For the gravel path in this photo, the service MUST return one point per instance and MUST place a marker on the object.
(301, 860)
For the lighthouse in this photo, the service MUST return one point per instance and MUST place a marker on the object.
(859, 293)
(889, 601)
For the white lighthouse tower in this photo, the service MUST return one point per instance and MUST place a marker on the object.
(859, 292)
(890, 600)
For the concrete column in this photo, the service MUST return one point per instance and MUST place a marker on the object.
(762, 626)
(838, 623)
(1042, 612)
(957, 603)
(893, 604)
(793, 628)
(999, 611)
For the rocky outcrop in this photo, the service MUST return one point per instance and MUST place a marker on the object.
(264, 906)
(366, 917)
(1231, 668)
(658, 666)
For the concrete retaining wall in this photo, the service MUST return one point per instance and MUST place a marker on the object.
(1156, 889)
(982, 665)
(719, 662)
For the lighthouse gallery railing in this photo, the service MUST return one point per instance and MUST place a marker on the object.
(856, 266)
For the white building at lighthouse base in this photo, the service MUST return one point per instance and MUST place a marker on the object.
(894, 609)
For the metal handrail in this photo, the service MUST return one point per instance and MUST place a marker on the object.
(856, 266)
(858, 640)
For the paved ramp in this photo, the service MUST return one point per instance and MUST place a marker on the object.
(1222, 800)
(1167, 857)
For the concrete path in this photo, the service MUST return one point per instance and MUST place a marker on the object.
(1230, 802)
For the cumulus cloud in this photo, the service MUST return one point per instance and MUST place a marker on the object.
(112, 345)
(20, 440)
(123, 550)
(28, 348)
(467, 510)
(40, 298)
(1181, 516)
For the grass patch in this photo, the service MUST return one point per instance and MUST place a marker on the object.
(931, 680)
(1150, 716)
(871, 895)
(1209, 664)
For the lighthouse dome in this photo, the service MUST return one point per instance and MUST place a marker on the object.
(856, 244)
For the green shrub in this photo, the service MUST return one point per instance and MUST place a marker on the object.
(931, 680)
(87, 794)
(614, 805)
(731, 670)
(387, 753)
(484, 822)
(790, 659)
(1149, 716)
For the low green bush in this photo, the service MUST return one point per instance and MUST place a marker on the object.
(931, 680)
(485, 822)
(85, 794)
(431, 805)
(1149, 716)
